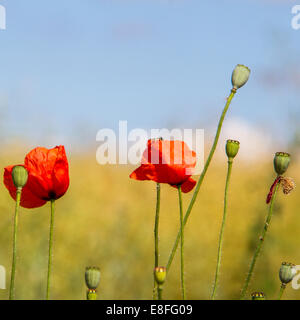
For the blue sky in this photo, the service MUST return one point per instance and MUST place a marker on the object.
(70, 68)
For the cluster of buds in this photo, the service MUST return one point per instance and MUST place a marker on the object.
(92, 280)
(258, 296)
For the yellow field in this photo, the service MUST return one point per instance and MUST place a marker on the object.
(106, 219)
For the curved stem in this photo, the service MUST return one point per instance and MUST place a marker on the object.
(14, 259)
(181, 244)
(201, 178)
(156, 239)
(50, 248)
(261, 240)
(222, 229)
(281, 291)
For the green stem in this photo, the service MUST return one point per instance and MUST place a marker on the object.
(258, 248)
(159, 291)
(50, 248)
(281, 291)
(156, 239)
(156, 224)
(201, 178)
(14, 259)
(181, 244)
(230, 161)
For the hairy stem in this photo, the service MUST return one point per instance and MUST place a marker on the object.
(230, 161)
(281, 291)
(201, 178)
(259, 246)
(14, 258)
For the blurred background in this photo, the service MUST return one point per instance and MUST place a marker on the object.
(71, 68)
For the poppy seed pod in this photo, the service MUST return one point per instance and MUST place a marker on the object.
(91, 295)
(287, 272)
(20, 176)
(240, 76)
(281, 162)
(232, 148)
(92, 277)
(160, 274)
(258, 296)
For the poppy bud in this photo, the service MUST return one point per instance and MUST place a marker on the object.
(240, 76)
(232, 148)
(92, 277)
(160, 274)
(91, 295)
(258, 296)
(19, 176)
(281, 162)
(287, 272)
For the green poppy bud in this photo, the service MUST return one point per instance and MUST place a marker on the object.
(232, 148)
(287, 272)
(258, 296)
(91, 295)
(19, 176)
(240, 76)
(160, 274)
(281, 162)
(92, 277)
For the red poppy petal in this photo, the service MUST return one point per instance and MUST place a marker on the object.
(187, 186)
(28, 199)
(144, 172)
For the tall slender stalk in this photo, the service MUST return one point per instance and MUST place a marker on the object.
(156, 238)
(181, 244)
(14, 259)
(281, 291)
(201, 178)
(50, 248)
(261, 240)
(230, 161)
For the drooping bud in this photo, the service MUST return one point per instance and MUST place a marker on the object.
(258, 296)
(287, 272)
(232, 148)
(19, 176)
(92, 277)
(281, 162)
(240, 76)
(160, 274)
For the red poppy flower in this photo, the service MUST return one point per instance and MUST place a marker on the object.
(169, 162)
(48, 177)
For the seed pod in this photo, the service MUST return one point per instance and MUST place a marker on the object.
(92, 277)
(287, 272)
(240, 76)
(19, 176)
(258, 296)
(281, 162)
(91, 295)
(232, 148)
(160, 274)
